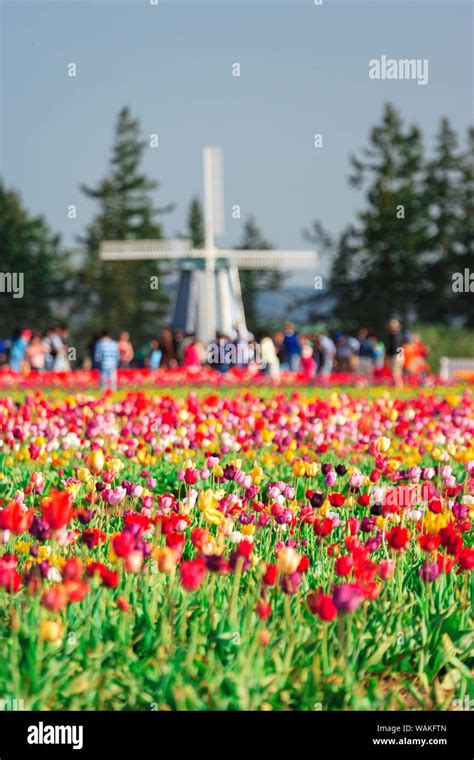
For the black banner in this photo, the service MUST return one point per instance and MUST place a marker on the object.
(151, 734)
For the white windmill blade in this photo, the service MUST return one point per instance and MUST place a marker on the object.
(213, 193)
(263, 259)
(136, 250)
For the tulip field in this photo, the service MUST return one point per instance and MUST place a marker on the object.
(237, 550)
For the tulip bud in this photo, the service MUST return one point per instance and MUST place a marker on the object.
(288, 560)
(96, 461)
(133, 561)
(166, 559)
(50, 630)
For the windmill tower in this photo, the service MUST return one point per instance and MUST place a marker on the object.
(208, 297)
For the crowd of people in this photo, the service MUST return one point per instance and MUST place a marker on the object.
(31, 351)
(363, 353)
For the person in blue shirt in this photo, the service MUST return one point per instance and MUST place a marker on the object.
(19, 343)
(156, 355)
(366, 353)
(292, 346)
(107, 358)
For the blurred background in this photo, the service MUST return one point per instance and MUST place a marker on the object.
(105, 108)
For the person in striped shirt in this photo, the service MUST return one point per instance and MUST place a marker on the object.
(107, 358)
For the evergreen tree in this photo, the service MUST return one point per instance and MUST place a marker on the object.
(379, 266)
(463, 303)
(196, 224)
(124, 295)
(256, 280)
(32, 252)
(443, 199)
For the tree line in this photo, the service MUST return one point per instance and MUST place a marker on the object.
(412, 234)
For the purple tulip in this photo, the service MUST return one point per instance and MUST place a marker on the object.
(460, 511)
(429, 571)
(290, 583)
(347, 597)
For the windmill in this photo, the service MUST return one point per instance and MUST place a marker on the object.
(208, 297)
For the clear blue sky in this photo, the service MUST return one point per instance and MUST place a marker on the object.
(304, 70)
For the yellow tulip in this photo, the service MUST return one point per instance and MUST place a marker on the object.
(96, 461)
(325, 506)
(213, 515)
(83, 474)
(50, 630)
(116, 465)
(206, 499)
(311, 469)
(22, 547)
(256, 473)
(165, 557)
(299, 468)
(433, 522)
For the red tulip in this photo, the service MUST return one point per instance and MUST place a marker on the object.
(322, 527)
(428, 542)
(76, 590)
(270, 575)
(435, 506)
(123, 543)
(192, 573)
(10, 579)
(451, 539)
(304, 564)
(55, 598)
(73, 569)
(264, 609)
(321, 605)
(16, 518)
(110, 578)
(466, 558)
(344, 565)
(190, 476)
(398, 538)
(123, 604)
(57, 509)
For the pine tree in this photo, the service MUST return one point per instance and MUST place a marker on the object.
(379, 266)
(443, 199)
(254, 281)
(196, 224)
(463, 303)
(124, 295)
(32, 252)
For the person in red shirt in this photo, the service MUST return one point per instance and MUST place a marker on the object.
(191, 356)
